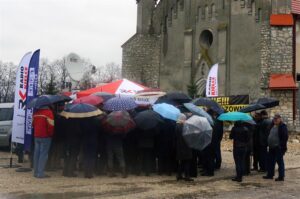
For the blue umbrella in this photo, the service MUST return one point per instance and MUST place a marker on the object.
(167, 111)
(234, 116)
(46, 100)
(119, 104)
(199, 111)
(80, 111)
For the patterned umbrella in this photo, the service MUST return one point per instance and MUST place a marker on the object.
(119, 104)
(91, 99)
(118, 122)
(80, 111)
(167, 111)
(46, 100)
(106, 96)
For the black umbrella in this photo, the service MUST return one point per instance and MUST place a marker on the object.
(174, 98)
(46, 100)
(209, 103)
(148, 120)
(268, 102)
(252, 107)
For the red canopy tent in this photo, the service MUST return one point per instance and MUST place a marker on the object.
(119, 87)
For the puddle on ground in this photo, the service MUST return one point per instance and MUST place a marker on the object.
(74, 195)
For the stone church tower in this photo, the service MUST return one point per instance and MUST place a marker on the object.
(177, 41)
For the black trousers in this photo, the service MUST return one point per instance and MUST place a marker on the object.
(184, 168)
(255, 158)
(239, 155)
(247, 162)
(70, 160)
(146, 160)
(208, 160)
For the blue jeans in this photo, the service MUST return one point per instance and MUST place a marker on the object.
(41, 149)
(275, 155)
(239, 155)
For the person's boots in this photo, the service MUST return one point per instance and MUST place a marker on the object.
(179, 177)
(279, 179)
(110, 173)
(124, 173)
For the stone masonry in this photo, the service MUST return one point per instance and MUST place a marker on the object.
(177, 41)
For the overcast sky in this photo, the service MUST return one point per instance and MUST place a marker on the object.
(94, 29)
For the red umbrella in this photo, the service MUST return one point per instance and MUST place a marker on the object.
(92, 100)
(118, 122)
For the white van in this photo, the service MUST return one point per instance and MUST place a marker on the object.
(6, 117)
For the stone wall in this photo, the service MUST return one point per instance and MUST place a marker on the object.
(281, 59)
(265, 41)
(141, 59)
(277, 58)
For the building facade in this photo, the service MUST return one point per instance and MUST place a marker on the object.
(254, 42)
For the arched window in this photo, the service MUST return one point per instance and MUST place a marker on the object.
(213, 10)
(203, 13)
(259, 15)
(199, 12)
(206, 11)
(253, 8)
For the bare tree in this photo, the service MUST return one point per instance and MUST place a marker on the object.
(7, 81)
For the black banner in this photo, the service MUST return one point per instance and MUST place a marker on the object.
(232, 103)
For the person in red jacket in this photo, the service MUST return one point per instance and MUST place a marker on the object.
(43, 125)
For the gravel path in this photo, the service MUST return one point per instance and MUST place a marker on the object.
(15, 185)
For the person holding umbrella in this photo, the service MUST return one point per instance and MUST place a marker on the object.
(217, 136)
(117, 125)
(148, 124)
(184, 154)
(240, 136)
(73, 125)
(264, 130)
(43, 124)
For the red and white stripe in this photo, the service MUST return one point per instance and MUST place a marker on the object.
(296, 6)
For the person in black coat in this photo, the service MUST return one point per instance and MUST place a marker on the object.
(72, 143)
(240, 135)
(264, 130)
(90, 129)
(257, 119)
(217, 136)
(277, 142)
(165, 147)
(114, 149)
(145, 148)
(184, 153)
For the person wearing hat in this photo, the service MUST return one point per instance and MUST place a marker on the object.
(277, 142)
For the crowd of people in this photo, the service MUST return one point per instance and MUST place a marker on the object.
(85, 145)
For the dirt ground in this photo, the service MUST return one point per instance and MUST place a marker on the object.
(17, 185)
